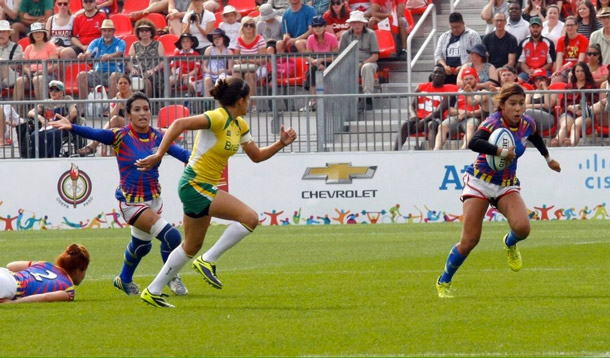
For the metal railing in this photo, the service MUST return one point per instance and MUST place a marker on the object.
(411, 61)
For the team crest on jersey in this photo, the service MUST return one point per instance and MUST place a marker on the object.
(74, 187)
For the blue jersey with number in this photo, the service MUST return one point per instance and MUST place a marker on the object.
(521, 133)
(43, 277)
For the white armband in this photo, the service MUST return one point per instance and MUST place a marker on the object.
(548, 159)
(245, 138)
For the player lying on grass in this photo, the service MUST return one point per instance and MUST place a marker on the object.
(41, 281)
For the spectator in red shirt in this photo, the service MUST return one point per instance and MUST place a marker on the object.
(570, 49)
(87, 27)
(428, 110)
(537, 52)
(387, 9)
(336, 17)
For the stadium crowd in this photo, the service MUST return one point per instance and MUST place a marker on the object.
(89, 45)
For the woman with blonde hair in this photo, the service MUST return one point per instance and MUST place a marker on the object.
(250, 43)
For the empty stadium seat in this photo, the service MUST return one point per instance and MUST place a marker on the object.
(387, 46)
(122, 24)
(157, 19)
(72, 72)
(244, 7)
(129, 40)
(133, 5)
(169, 43)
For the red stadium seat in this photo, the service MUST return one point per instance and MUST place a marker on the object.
(129, 40)
(254, 14)
(24, 42)
(526, 86)
(72, 72)
(387, 46)
(244, 7)
(170, 113)
(410, 21)
(169, 43)
(122, 24)
(133, 5)
(219, 19)
(157, 19)
(301, 67)
(420, 10)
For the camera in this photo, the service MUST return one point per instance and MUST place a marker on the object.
(193, 17)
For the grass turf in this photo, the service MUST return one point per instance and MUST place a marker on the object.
(353, 290)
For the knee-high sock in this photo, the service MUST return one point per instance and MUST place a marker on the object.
(168, 235)
(175, 262)
(136, 249)
(454, 261)
(512, 239)
(233, 234)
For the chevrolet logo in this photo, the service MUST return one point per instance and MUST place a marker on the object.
(339, 173)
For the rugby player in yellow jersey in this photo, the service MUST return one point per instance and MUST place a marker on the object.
(220, 133)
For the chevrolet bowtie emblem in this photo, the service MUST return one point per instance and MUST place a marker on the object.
(339, 173)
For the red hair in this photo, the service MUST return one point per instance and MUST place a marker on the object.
(76, 257)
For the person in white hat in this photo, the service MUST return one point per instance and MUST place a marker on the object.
(30, 12)
(40, 48)
(368, 51)
(269, 26)
(107, 48)
(230, 25)
(9, 51)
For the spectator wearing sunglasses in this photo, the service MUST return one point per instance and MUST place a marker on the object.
(86, 28)
(30, 12)
(336, 17)
(60, 25)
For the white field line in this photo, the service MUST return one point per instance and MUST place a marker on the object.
(475, 354)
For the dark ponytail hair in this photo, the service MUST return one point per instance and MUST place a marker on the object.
(75, 257)
(228, 91)
(133, 98)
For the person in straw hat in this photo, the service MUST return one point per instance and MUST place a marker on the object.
(368, 50)
(107, 48)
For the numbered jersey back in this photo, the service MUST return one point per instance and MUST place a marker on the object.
(43, 277)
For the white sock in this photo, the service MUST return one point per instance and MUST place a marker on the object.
(175, 262)
(232, 235)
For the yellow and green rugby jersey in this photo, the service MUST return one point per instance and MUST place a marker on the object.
(214, 146)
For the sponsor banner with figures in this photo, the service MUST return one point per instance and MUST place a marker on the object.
(301, 189)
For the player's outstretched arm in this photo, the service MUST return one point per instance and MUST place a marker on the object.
(42, 297)
(258, 155)
(16, 266)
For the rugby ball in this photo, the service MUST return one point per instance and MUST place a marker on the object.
(502, 138)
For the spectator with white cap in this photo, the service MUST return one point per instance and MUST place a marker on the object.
(368, 51)
(230, 25)
(269, 26)
(9, 51)
(106, 48)
(40, 48)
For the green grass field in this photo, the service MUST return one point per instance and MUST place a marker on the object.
(355, 290)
